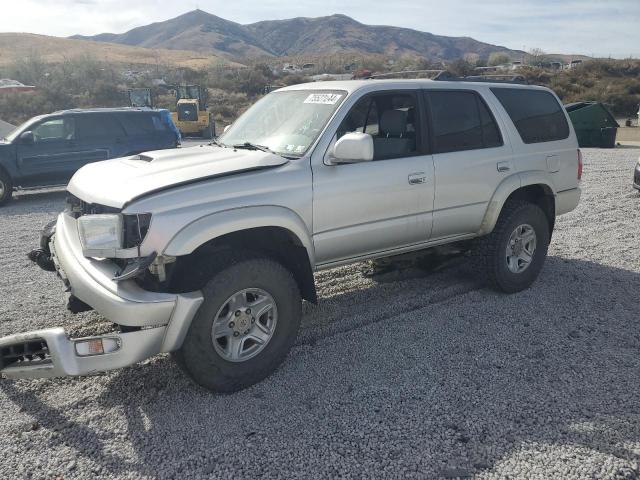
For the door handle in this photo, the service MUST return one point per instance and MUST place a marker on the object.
(417, 178)
(503, 166)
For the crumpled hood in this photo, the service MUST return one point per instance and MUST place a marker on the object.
(116, 182)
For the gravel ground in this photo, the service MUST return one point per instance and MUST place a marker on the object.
(411, 375)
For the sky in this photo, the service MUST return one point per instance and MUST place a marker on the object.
(589, 27)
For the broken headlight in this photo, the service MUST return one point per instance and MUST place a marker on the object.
(101, 232)
(136, 227)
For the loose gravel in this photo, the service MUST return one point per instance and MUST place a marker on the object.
(411, 374)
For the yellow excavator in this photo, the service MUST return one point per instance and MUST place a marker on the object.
(191, 115)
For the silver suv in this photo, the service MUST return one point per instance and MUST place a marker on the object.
(208, 251)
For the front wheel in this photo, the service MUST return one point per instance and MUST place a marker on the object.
(246, 326)
(511, 257)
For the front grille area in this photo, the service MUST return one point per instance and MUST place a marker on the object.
(77, 207)
(34, 352)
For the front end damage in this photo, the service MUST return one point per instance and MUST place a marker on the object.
(150, 322)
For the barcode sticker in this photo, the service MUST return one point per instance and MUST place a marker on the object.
(323, 98)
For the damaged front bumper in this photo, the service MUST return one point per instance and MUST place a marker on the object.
(161, 320)
(50, 353)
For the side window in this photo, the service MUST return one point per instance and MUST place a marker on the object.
(456, 121)
(391, 119)
(537, 115)
(362, 118)
(158, 124)
(55, 129)
(138, 123)
(94, 126)
(491, 137)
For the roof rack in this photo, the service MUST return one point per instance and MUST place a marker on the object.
(444, 75)
(519, 79)
(430, 74)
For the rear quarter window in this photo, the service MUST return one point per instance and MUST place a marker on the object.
(536, 114)
(142, 123)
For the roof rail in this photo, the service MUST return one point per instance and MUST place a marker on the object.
(431, 74)
(519, 79)
(444, 75)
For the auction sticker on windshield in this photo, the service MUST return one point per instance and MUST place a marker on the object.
(323, 98)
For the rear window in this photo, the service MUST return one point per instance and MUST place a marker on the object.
(461, 121)
(537, 115)
(142, 123)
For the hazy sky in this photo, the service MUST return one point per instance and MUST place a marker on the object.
(599, 27)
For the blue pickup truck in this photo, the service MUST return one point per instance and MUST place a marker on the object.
(47, 150)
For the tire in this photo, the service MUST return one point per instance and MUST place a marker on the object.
(6, 188)
(203, 358)
(492, 259)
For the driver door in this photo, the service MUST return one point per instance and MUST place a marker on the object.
(382, 205)
(48, 159)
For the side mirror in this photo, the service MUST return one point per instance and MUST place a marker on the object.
(353, 147)
(226, 128)
(26, 138)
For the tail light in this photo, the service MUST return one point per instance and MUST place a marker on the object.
(579, 165)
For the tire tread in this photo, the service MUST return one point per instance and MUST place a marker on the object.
(485, 252)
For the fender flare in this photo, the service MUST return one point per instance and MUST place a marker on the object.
(505, 189)
(212, 226)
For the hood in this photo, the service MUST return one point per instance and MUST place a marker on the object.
(114, 183)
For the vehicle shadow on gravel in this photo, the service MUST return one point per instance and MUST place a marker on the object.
(459, 385)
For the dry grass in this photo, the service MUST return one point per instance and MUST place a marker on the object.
(56, 49)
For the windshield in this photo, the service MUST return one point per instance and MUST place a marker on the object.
(286, 122)
(10, 137)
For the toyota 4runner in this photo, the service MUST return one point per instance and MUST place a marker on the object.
(208, 251)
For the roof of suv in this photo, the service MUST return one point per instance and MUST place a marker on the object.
(107, 110)
(354, 85)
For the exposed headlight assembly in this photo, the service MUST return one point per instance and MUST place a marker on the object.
(101, 232)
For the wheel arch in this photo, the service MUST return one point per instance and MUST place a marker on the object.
(530, 186)
(276, 232)
(8, 173)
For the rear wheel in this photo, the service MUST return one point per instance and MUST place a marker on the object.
(246, 326)
(511, 257)
(6, 187)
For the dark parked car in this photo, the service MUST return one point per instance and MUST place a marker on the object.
(47, 150)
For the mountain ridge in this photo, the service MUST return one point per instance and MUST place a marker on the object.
(204, 32)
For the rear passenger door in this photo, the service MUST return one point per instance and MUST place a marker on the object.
(100, 136)
(470, 160)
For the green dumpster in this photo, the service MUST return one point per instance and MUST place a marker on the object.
(594, 124)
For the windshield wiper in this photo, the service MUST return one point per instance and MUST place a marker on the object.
(262, 148)
(253, 146)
